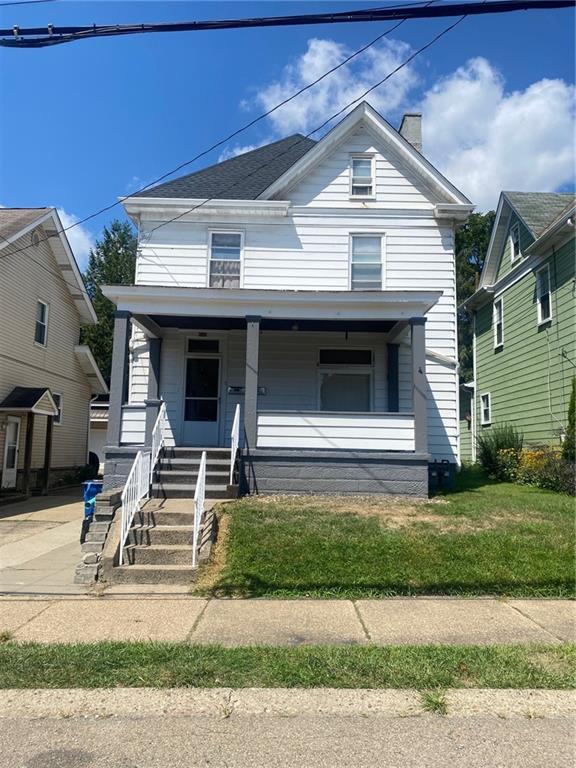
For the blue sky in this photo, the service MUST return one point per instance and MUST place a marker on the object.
(87, 122)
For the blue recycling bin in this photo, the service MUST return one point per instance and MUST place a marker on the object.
(91, 489)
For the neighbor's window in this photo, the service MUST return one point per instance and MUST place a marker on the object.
(498, 321)
(58, 400)
(345, 379)
(544, 295)
(366, 271)
(515, 242)
(41, 330)
(362, 176)
(486, 407)
(225, 255)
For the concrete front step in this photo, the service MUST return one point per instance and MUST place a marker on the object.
(165, 517)
(154, 574)
(192, 465)
(186, 476)
(196, 453)
(186, 491)
(159, 554)
(161, 534)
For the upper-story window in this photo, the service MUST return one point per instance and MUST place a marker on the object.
(498, 322)
(225, 259)
(515, 252)
(543, 294)
(366, 267)
(41, 329)
(362, 176)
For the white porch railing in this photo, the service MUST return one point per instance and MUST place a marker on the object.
(199, 495)
(157, 438)
(137, 488)
(234, 441)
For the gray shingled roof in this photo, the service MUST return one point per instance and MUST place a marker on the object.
(243, 177)
(12, 220)
(539, 209)
(23, 397)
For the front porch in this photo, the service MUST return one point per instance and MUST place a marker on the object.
(331, 395)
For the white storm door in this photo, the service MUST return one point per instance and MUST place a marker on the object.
(202, 401)
(10, 466)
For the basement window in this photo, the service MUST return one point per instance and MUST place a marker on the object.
(362, 176)
(225, 259)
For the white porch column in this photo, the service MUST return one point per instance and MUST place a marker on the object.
(419, 384)
(251, 382)
(118, 376)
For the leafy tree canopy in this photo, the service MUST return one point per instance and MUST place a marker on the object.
(112, 262)
(471, 246)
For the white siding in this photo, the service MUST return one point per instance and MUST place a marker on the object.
(376, 432)
(133, 431)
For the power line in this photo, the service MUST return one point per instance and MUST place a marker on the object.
(27, 2)
(232, 135)
(54, 35)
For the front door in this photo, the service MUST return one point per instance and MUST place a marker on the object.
(10, 466)
(202, 401)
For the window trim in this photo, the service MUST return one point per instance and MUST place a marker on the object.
(485, 422)
(220, 231)
(514, 259)
(539, 320)
(497, 344)
(367, 233)
(57, 421)
(362, 156)
(47, 306)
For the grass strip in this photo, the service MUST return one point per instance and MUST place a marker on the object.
(162, 665)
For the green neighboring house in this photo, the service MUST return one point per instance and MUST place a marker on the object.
(525, 321)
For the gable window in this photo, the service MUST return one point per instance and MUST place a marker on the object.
(58, 400)
(345, 380)
(515, 242)
(498, 323)
(41, 330)
(366, 268)
(362, 176)
(486, 409)
(225, 259)
(543, 295)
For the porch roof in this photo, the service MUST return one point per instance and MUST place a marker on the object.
(171, 302)
(30, 400)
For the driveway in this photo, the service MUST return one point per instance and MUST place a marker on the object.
(39, 545)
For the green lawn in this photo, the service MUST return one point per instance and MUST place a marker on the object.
(163, 665)
(483, 538)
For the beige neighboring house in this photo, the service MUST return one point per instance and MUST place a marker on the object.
(47, 378)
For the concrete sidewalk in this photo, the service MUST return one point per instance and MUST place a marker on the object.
(395, 621)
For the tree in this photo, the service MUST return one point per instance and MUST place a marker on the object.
(111, 262)
(471, 246)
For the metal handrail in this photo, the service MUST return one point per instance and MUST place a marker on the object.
(234, 442)
(158, 439)
(135, 491)
(199, 495)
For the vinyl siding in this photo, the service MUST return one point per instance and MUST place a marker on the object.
(530, 378)
(24, 363)
(506, 266)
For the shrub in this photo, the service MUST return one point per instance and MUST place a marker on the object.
(545, 467)
(569, 444)
(508, 461)
(491, 443)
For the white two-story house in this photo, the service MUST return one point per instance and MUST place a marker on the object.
(307, 288)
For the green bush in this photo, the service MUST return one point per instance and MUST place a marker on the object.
(545, 467)
(569, 444)
(491, 443)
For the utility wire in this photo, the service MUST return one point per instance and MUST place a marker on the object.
(54, 35)
(232, 135)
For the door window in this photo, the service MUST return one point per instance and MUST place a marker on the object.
(202, 384)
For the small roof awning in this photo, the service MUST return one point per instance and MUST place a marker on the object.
(91, 370)
(30, 400)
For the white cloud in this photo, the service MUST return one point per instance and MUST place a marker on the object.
(238, 149)
(311, 108)
(80, 239)
(486, 140)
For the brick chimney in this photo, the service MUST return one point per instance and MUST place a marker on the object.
(411, 129)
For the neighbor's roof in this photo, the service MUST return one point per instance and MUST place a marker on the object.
(13, 220)
(243, 177)
(539, 209)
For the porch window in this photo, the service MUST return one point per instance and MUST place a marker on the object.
(345, 379)
(225, 258)
(58, 401)
(41, 329)
(498, 322)
(486, 409)
(543, 295)
(362, 176)
(515, 242)
(366, 268)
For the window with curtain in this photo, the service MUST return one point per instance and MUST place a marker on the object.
(225, 259)
(366, 267)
